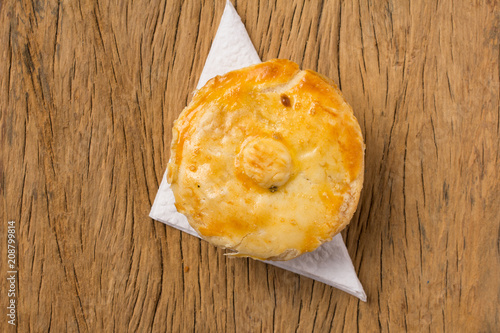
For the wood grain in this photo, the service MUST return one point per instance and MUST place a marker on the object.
(88, 94)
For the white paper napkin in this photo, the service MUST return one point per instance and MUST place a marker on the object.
(330, 263)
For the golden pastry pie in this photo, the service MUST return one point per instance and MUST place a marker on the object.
(267, 161)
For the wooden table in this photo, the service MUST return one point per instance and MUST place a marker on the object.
(88, 94)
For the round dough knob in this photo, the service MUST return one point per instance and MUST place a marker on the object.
(266, 161)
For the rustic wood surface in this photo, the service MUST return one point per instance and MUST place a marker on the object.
(88, 94)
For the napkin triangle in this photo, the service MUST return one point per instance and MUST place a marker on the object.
(330, 263)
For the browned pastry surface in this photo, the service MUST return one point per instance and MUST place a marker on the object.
(267, 161)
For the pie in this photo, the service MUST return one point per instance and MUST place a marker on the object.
(267, 161)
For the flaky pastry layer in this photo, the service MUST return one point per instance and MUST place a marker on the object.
(267, 161)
